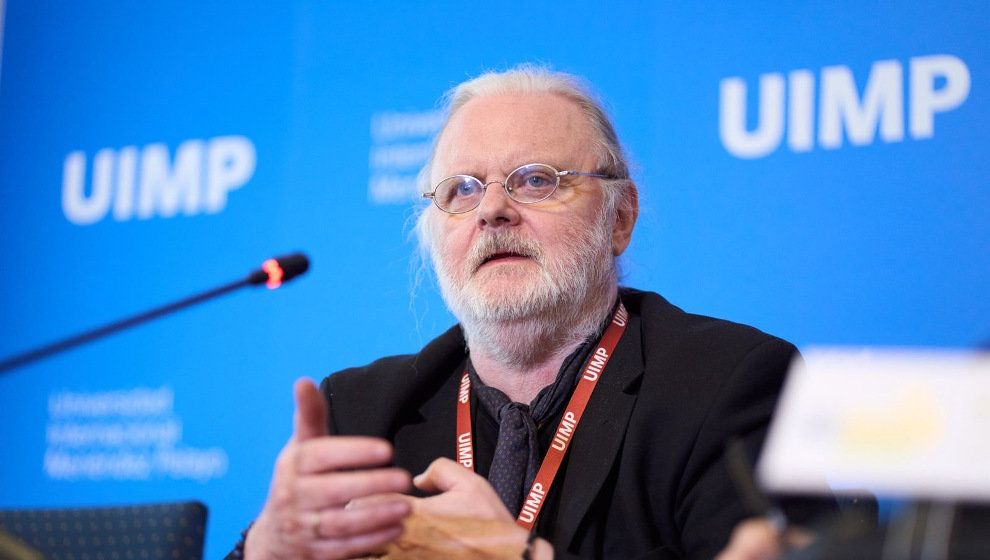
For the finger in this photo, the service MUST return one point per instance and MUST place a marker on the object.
(310, 419)
(442, 475)
(342, 452)
(338, 489)
(357, 546)
(351, 522)
(797, 537)
(753, 539)
(367, 501)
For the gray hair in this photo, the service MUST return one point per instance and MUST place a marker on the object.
(531, 78)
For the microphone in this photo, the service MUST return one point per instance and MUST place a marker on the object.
(273, 273)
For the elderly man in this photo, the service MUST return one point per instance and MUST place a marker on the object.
(588, 420)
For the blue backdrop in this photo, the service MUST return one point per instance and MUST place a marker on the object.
(819, 172)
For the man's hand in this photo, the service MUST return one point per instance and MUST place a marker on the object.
(759, 539)
(464, 520)
(316, 476)
(459, 493)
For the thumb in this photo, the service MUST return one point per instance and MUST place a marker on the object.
(310, 419)
(442, 475)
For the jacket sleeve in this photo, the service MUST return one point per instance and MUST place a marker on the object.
(710, 505)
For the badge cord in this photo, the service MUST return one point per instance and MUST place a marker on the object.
(533, 501)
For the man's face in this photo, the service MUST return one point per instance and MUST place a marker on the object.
(506, 260)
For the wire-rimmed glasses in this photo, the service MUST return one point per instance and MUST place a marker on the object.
(526, 184)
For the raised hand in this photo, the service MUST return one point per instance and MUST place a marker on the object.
(307, 514)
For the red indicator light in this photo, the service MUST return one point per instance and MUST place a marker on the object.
(275, 273)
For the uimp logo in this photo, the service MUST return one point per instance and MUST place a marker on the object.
(935, 84)
(143, 183)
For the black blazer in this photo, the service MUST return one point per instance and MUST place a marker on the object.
(644, 476)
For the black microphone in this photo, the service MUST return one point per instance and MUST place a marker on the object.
(273, 273)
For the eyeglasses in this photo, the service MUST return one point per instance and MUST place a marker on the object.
(527, 184)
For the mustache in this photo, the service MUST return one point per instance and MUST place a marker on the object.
(491, 245)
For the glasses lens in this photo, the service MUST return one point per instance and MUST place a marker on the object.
(532, 183)
(459, 193)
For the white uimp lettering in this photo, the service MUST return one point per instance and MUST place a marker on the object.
(596, 364)
(165, 187)
(123, 203)
(532, 504)
(882, 101)
(77, 207)
(936, 83)
(464, 393)
(801, 111)
(621, 316)
(148, 182)
(564, 431)
(769, 130)
(230, 162)
(926, 100)
(464, 454)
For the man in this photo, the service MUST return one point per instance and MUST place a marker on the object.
(596, 416)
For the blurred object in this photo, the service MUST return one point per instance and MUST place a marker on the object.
(12, 548)
(908, 424)
(157, 531)
(923, 531)
(902, 423)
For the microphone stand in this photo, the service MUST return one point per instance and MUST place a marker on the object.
(271, 272)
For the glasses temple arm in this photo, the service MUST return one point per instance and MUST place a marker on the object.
(583, 174)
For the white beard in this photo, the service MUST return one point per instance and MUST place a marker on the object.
(562, 303)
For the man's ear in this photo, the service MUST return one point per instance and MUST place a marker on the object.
(626, 212)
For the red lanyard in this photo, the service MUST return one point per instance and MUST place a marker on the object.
(565, 429)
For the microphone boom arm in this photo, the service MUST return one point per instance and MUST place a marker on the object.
(294, 265)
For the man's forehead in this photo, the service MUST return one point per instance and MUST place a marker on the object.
(507, 130)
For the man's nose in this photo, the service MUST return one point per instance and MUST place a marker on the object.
(496, 208)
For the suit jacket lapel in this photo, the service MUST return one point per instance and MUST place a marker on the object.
(431, 436)
(599, 436)
(430, 431)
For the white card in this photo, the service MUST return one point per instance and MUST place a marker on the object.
(897, 422)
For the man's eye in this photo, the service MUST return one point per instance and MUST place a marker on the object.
(466, 188)
(537, 181)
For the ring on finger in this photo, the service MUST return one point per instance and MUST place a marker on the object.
(314, 524)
